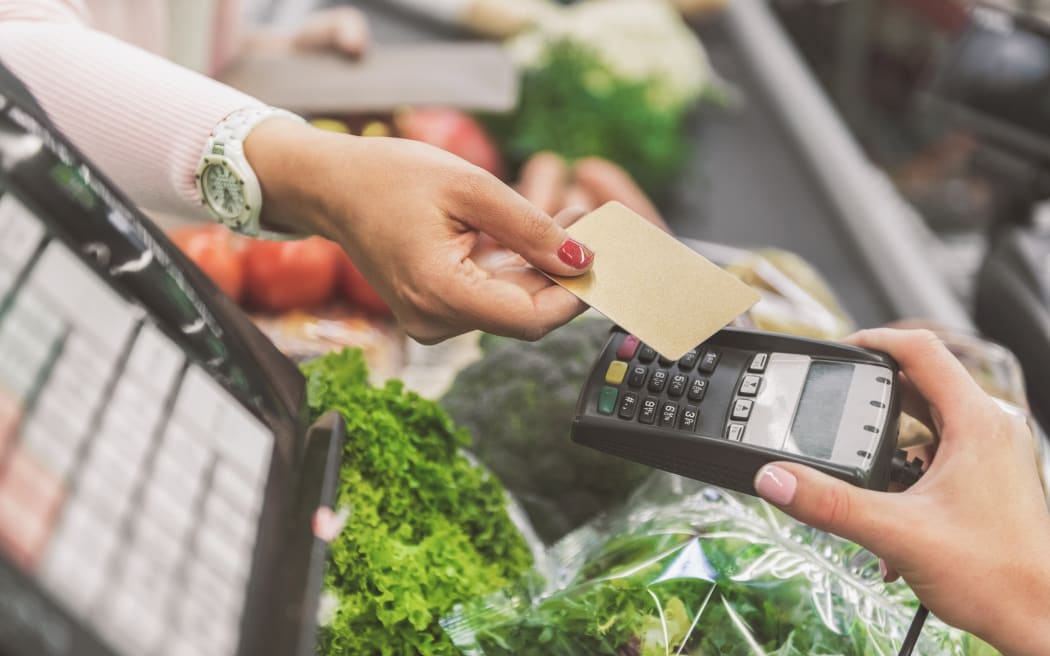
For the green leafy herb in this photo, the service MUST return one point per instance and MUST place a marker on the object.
(427, 528)
(689, 570)
(574, 104)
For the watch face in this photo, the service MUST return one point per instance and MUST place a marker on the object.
(223, 191)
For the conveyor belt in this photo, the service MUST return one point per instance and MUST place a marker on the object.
(747, 185)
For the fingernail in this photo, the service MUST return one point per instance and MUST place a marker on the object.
(776, 485)
(575, 254)
(882, 569)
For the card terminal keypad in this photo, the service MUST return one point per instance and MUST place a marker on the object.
(641, 386)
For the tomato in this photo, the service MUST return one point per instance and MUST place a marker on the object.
(218, 252)
(454, 131)
(360, 294)
(288, 275)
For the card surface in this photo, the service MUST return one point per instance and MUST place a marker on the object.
(652, 285)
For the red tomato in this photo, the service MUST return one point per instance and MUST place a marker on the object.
(453, 131)
(288, 275)
(360, 294)
(218, 252)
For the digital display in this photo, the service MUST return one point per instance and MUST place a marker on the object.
(820, 408)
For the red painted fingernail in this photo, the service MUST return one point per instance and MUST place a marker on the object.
(575, 254)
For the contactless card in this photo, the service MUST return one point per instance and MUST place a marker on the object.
(652, 285)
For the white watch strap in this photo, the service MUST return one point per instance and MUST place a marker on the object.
(238, 125)
(227, 139)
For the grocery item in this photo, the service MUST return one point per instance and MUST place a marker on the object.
(287, 275)
(543, 180)
(795, 298)
(999, 373)
(518, 401)
(359, 292)
(304, 335)
(218, 252)
(426, 528)
(604, 181)
(551, 184)
(612, 79)
(452, 130)
(690, 569)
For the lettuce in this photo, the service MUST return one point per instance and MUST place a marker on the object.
(427, 528)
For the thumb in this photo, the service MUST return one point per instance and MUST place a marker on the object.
(812, 497)
(503, 214)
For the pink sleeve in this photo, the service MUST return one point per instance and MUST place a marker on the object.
(143, 120)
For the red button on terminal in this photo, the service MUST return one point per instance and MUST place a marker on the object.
(627, 348)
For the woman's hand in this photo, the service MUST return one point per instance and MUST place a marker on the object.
(972, 537)
(448, 246)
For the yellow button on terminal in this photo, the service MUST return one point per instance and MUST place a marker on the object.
(617, 370)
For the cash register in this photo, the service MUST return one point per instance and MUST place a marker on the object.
(157, 474)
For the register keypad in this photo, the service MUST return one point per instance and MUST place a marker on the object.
(130, 481)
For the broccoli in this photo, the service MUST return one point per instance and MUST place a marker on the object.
(519, 401)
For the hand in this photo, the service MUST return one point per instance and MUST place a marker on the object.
(972, 537)
(447, 245)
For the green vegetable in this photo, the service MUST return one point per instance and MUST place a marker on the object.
(575, 105)
(686, 569)
(427, 528)
(519, 401)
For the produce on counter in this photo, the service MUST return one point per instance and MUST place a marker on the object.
(218, 252)
(279, 276)
(604, 181)
(359, 293)
(303, 336)
(999, 373)
(427, 529)
(544, 180)
(289, 275)
(454, 131)
(612, 79)
(519, 400)
(689, 569)
(795, 298)
(552, 185)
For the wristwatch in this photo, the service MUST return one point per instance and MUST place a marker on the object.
(227, 184)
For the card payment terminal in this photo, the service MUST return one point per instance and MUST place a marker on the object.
(740, 400)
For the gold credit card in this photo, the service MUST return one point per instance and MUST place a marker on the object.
(652, 285)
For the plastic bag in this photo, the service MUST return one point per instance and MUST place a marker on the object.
(691, 569)
(303, 336)
(795, 298)
(998, 371)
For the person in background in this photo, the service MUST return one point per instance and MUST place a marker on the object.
(425, 228)
(972, 537)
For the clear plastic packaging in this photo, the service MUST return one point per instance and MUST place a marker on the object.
(997, 370)
(302, 336)
(795, 298)
(688, 569)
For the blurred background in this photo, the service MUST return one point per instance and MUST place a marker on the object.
(890, 156)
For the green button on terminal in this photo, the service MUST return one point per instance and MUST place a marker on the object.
(607, 400)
